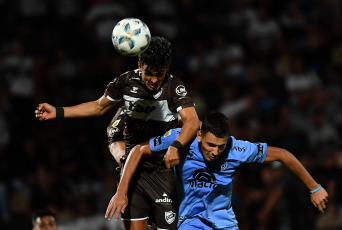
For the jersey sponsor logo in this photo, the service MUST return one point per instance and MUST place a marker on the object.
(165, 199)
(140, 108)
(134, 89)
(157, 141)
(159, 109)
(181, 91)
(240, 149)
(170, 217)
(202, 178)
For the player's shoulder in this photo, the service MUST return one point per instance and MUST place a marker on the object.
(127, 78)
(132, 75)
(238, 146)
(176, 85)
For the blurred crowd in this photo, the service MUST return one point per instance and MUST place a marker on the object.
(273, 67)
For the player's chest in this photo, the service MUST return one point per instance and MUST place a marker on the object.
(137, 90)
(197, 175)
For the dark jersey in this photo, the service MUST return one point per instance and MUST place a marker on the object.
(147, 113)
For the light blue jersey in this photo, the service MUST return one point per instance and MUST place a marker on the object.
(205, 189)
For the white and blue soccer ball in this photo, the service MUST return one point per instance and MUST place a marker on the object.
(131, 36)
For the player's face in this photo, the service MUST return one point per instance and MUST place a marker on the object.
(152, 79)
(211, 146)
(45, 223)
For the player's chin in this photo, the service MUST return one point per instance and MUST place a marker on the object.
(153, 87)
(210, 159)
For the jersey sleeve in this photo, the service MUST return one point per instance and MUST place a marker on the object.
(249, 152)
(160, 144)
(180, 96)
(114, 90)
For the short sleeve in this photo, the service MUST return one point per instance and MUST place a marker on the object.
(114, 90)
(180, 97)
(248, 152)
(160, 144)
(257, 153)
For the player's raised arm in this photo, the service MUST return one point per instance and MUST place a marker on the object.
(119, 201)
(46, 111)
(190, 126)
(318, 194)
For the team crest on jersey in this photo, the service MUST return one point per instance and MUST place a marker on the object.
(167, 133)
(181, 91)
(170, 217)
(224, 166)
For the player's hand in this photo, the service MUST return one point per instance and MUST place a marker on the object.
(171, 158)
(319, 199)
(45, 111)
(117, 204)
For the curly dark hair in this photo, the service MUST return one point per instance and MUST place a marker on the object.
(158, 54)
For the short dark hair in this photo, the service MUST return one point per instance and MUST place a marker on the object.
(41, 213)
(158, 54)
(217, 124)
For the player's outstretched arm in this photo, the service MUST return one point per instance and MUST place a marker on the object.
(318, 194)
(119, 201)
(46, 111)
(190, 126)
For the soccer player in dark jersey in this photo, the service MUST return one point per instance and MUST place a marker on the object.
(44, 220)
(153, 102)
(206, 174)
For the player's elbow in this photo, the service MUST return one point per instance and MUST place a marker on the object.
(284, 156)
(99, 108)
(276, 154)
(100, 112)
(141, 150)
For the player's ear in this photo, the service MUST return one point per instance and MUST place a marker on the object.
(199, 136)
(139, 66)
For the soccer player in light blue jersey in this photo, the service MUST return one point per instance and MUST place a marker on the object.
(206, 172)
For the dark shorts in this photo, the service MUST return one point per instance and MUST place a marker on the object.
(152, 193)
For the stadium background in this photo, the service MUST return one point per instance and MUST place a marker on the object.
(273, 67)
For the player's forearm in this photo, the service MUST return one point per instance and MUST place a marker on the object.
(88, 109)
(188, 131)
(129, 169)
(291, 162)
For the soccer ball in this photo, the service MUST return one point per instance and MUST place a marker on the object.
(131, 36)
